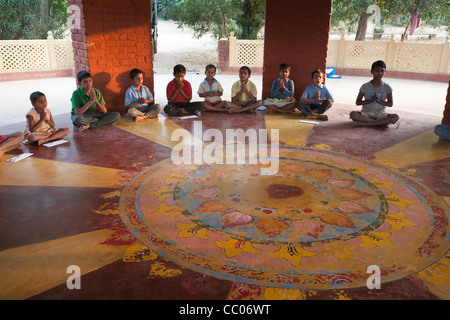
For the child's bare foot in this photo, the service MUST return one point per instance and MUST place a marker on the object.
(322, 117)
(140, 118)
(84, 127)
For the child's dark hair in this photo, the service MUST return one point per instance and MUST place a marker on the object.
(246, 68)
(379, 63)
(179, 68)
(316, 71)
(134, 72)
(285, 66)
(209, 66)
(83, 75)
(35, 95)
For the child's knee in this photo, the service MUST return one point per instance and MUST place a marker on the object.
(65, 131)
(355, 115)
(394, 117)
(33, 138)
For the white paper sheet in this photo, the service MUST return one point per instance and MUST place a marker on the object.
(20, 157)
(54, 143)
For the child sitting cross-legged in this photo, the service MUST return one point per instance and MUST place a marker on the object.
(40, 125)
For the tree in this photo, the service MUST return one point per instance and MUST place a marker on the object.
(353, 12)
(219, 17)
(250, 18)
(32, 19)
(202, 16)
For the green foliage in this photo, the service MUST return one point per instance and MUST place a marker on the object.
(32, 19)
(433, 12)
(219, 17)
(250, 17)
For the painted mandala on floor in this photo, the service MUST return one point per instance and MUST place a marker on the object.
(316, 224)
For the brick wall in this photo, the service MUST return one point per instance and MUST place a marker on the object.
(296, 32)
(224, 55)
(114, 37)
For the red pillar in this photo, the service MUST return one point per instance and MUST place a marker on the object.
(296, 32)
(113, 37)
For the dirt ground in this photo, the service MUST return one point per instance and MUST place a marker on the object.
(179, 46)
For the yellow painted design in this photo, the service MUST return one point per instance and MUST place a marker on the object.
(382, 184)
(162, 193)
(140, 166)
(344, 253)
(139, 253)
(282, 294)
(111, 195)
(341, 295)
(188, 230)
(401, 203)
(439, 272)
(431, 149)
(235, 247)
(447, 200)
(290, 130)
(157, 130)
(165, 210)
(398, 221)
(321, 146)
(356, 170)
(28, 270)
(107, 209)
(57, 173)
(410, 172)
(374, 239)
(159, 270)
(293, 254)
(388, 163)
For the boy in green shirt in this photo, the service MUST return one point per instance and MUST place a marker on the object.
(88, 106)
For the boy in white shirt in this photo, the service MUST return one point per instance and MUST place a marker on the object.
(212, 90)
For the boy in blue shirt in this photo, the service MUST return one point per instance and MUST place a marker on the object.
(139, 99)
(283, 90)
(316, 99)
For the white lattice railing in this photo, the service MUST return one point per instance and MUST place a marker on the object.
(399, 56)
(246, 52)
(27, 55)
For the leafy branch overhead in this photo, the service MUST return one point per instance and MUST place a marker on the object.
(355, 13)
(32, 19)
(219, 17)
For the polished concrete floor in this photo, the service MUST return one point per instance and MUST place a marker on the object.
(76, 204)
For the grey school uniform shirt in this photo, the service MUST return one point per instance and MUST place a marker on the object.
(374, 109)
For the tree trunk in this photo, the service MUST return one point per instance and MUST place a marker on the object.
(43, 20)
(362, 27)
